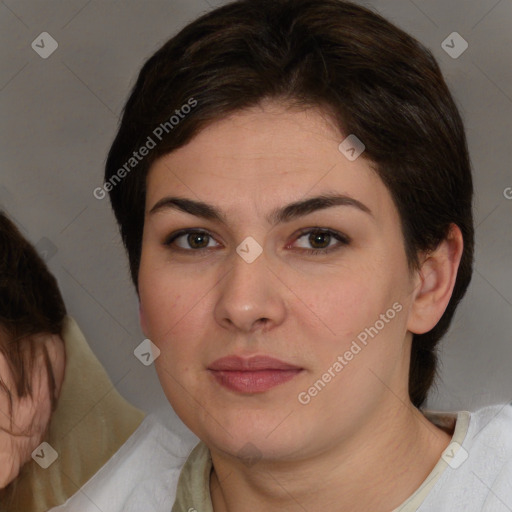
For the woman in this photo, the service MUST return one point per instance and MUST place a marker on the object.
(292, 184)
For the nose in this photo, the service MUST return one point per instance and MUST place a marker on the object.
(250, 296)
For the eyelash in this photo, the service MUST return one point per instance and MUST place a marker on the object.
(342, 239)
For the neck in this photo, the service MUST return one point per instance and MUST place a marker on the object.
(377, 469)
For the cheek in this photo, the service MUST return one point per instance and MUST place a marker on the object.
(159, 298)
(360, 311)
(174, 309)
(166, 310)
(339, 303)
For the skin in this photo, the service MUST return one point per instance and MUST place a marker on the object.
(360, 444)
(30, 414)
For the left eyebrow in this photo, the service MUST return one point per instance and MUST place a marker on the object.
(286, 213)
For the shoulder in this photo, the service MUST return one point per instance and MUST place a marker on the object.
(479, 478)
(490, 437)
(144, 471)
(491, 441)
(158, 463)
(492, 426)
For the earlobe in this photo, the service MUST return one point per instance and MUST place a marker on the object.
(436, 280)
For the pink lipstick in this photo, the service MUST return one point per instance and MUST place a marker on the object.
(255, 374)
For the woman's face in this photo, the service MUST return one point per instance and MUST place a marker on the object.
(246, 285)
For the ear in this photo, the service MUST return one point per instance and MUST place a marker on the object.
(435, 282)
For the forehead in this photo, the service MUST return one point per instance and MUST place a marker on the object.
(266, 155)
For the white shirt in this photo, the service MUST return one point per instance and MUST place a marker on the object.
(141, 476)
(474, 473)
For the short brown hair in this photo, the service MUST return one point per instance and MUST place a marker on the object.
(30, 304)
(372, 78)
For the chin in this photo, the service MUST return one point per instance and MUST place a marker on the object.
(249, 443)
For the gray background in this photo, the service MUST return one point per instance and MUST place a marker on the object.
(59, 116)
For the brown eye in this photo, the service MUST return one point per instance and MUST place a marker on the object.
(321, 240)
(189, 240)
(197, 240)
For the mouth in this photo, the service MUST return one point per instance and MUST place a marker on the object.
(256, 374)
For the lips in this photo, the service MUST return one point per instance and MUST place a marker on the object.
(256, 374)
(254, 363)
